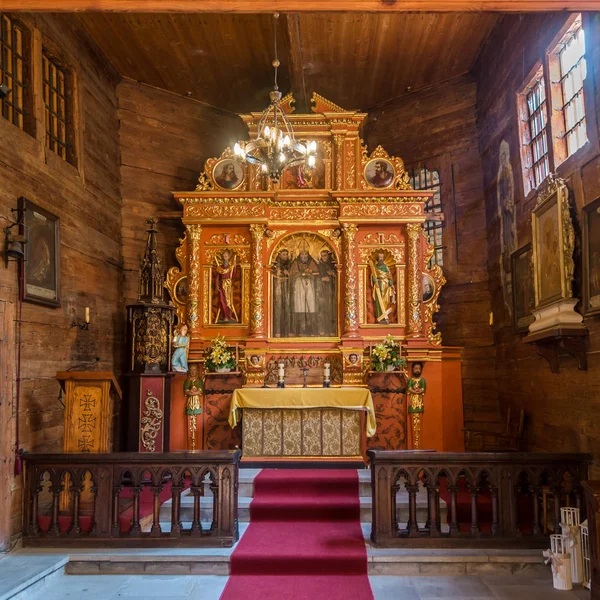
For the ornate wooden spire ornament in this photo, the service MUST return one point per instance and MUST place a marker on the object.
(152, 280)
(149, 337)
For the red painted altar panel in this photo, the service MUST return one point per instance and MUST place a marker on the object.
(390, 411)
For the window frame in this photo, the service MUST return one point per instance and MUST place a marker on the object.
(440, 223)
(49, 53)
(26, 85)
(559, 162)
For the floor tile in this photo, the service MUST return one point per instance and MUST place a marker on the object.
(158, 586)
(466, 588)
(392, 588)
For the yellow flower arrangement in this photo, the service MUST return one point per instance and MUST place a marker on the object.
(388, 352)
(218, 356)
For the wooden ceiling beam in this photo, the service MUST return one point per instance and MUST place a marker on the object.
(297, 77)
(267, 6)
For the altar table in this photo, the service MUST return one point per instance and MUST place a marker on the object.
(302, 422)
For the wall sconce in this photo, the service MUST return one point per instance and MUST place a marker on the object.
(14, 243)
(82, 326)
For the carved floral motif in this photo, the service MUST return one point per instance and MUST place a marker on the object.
(151, 421)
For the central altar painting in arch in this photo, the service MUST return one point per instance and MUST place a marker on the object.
(312, 270)
(304, 287)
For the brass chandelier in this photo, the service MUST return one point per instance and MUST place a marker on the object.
(275, 146)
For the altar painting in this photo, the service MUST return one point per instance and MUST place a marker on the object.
(304, 284)
(226, 282)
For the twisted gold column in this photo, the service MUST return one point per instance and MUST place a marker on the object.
(257, 302)
(351, 280)
(339, 161)
(194, 276)
(415, 260)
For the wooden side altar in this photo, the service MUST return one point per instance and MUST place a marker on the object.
(315, 269)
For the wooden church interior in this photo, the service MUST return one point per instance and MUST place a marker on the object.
(117, 122)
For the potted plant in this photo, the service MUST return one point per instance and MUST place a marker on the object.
(387, 355)
(219, 358)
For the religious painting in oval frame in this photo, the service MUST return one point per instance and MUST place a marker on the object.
(228, 174)
(380, 173)
(428, 287)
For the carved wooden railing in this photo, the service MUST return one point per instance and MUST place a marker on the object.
(116, 499)
(492, 499)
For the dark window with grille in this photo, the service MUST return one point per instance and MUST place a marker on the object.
(57, 101)
(537, 123)
(571, 56)
(424, 179)
(14, 71)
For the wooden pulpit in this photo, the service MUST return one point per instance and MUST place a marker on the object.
(89, 410)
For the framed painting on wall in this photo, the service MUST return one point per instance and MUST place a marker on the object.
(41, 267)
(553, 245)
(522, 288)
(591, 258)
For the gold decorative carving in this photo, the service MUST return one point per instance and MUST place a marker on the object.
(306, 214)
(401, 297)
(339, 161)
(368, 199)
(206, 295)
(381, 210)
(221, 239)
(351, 171)
(152, 328)
(397, 252)
(415, 319)
(225, 200)
(257, 318)
(225, 210)
(175, 279)
(287, 104)
(151, 421)
(308, 240)
(273, 236)
(381, 239)
(322, 105)
(193, 234)
(335, 235)
(243, 254)
(362, 288)
(349, 231)
(204, 183)
(400, 181)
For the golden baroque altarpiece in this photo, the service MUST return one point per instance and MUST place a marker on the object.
(288, 271)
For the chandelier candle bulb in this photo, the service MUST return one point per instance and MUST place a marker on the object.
(326, 375)
(281, 375)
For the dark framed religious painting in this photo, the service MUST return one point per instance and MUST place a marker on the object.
(41, 268)
(523, 290)
(591, 258)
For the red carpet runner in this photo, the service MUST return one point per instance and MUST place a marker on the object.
(304, 541)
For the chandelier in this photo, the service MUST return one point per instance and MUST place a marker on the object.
(275, 146)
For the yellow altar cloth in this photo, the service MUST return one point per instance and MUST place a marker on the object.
(286, 398)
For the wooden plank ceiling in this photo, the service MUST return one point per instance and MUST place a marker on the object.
(357, 60)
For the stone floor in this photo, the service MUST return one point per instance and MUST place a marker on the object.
(207, 587)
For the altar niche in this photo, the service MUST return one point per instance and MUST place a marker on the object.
(304, 287)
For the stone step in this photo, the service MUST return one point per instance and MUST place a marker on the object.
(408, 562)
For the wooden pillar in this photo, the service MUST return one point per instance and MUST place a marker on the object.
(194, 276)
(415, 262)
(257, 301)
(351, 281)
(339, 160)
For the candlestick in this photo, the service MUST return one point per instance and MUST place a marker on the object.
(281, 375)
(87, 314)
(326, 375)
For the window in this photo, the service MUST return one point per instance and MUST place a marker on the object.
(534, 132)
(424, 179)
(57, 95)
(13, 70)
(572, 63)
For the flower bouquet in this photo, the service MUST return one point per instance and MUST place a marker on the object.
(387, 355)
(219, 358)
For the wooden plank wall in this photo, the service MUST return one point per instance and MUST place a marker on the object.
(563, 408)
(87, 200)
(437, 127)
(165, 139)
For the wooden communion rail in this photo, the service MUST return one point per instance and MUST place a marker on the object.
(99, 499)
(494, 499)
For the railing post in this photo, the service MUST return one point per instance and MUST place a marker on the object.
(75, 490)
(135, 522)
(454, 529)
(156, 529)
(494, 491)
(175, 510)
(412, 526)
(473, 490)
(33, 489)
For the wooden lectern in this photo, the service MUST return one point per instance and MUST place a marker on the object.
(89, 410)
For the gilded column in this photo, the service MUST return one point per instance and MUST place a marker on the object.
(339, 161)
(194, 276)
(415, 317)
(257, 301)
(351, 281)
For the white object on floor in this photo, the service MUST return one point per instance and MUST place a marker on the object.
(570, 522)
(558, 557)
